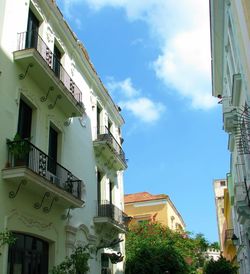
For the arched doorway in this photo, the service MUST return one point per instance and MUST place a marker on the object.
(29, 255)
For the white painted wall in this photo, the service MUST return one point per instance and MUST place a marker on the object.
(77, 152)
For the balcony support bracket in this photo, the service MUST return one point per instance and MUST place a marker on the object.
(38, 205)
(22, 76)
(67, 216)
(44, 98)
(48, 209)
(58, 97)
(13, 194)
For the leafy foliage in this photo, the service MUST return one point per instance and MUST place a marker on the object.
(153, 248)
(19, 147)
(222, 266)
(76, 263)
(6, 237)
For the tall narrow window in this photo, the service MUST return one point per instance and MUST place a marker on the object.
(109, 125)
(24, 120)
(53, 144)
(32, 31)
(57, 61)
(111, 188)
(105, 264)
(28, 255)
(99, 186)
(99, 110)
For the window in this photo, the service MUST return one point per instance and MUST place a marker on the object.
(53, 144)
(105, 264)
(109, 125)
(32, 31)
(222, 183)
(57, 61)
(99, 186)
(98, 117)
(28, 255)
(24, 120)
(111, 189)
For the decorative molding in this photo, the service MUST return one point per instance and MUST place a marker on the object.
(83, 121)
(59, 124)
(49, 34)
(30, 222)
(60, 42)
(70, 238)
(73, 67)
(91, 238)
(29, 95)
(39, 10)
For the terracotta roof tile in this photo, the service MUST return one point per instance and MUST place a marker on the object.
(142, 196)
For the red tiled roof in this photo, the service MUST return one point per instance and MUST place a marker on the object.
(142, 196)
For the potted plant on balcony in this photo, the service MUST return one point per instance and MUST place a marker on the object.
(18, 150)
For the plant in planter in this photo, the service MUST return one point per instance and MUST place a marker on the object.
(6, 237)
(19, 150)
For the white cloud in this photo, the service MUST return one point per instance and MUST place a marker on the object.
(144, 109)
(182, 31)
(124, 87)
(131, 100)
(184, 66)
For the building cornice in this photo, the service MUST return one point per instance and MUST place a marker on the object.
(79, 52)
(217, 44)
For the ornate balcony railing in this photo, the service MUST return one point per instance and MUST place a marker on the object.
(104, 134)
(107, 209)
(31, 39)
(24, 154)
(242, 130)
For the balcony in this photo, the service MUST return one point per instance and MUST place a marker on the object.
(30, 168)
(110, 218)
(242, 202)
(38, 61)
(230, 116)
(110, 150)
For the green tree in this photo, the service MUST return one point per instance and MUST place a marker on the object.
(153, 248)
(221, 266)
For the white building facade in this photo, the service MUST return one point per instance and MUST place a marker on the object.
(61, 160)
(230, 45)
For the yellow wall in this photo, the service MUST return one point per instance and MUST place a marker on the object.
(156, 210)
(229, 250)
(146, 213)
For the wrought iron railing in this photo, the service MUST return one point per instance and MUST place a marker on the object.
(107, 209)
(31, 39)
(104, 134)
(24, 153)
(242, 130)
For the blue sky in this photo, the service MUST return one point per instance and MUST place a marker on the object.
(154, 58)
